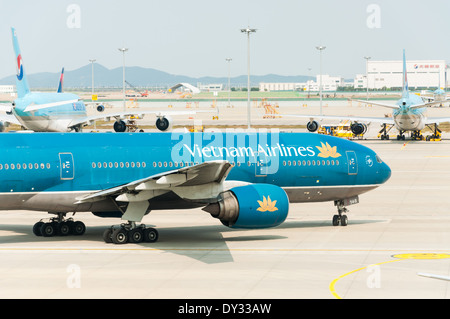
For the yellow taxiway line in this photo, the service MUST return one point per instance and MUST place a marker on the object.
(398, 256)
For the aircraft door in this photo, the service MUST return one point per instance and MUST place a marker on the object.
(67, 166)
(262, 164)
(352, 163)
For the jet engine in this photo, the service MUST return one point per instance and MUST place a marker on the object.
(120, 126)
(3, 126)
(164, 123)
(100, 108)
(358, 128)
(312, 126)
(251, 206)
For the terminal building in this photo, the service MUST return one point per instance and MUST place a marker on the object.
(7, 89)
(389, 74)
(329, 84)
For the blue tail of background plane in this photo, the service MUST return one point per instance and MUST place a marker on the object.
(405, 90)
(61, 81)
(21, 79)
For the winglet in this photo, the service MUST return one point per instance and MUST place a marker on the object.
(21, 80)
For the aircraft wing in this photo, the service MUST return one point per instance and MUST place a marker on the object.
(437, 120)
(5, 107)
(188, 180)
(418, 106)
(381, 120)
(121, 115)
(9, 119)
(447, 278)
(391, 106)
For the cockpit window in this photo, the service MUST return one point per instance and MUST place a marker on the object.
(379, 160)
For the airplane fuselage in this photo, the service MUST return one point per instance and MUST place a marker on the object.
(62, 109)
(49, 171)
(409, 119)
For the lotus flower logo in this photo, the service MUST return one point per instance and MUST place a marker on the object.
(267, 205)
(327, 151)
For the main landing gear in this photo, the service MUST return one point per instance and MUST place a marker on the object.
(130, 233)
(59, 226)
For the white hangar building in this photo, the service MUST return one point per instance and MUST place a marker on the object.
(389, 74)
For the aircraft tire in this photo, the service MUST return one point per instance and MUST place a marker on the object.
(78, 228)
(107, 236)
(48, 229)
(150, 235)
(119, 236)
(344, 220)
(136, 236)
(37, 228)
(336, 220)
(63, 229)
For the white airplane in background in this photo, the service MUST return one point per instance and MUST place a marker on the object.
(408, 114)
(63, 112)
(438, 95)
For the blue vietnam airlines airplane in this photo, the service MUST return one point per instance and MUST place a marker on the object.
(244, 179)
(408, 114)
(63, 112)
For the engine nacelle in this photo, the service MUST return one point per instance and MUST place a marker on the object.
(251, 206)
(164, 123)
(120, 126)
(100, 108)
(3, 126)
(358, 128)
(312, 126)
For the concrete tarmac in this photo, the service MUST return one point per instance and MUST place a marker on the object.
(396, 231)
(306, 257)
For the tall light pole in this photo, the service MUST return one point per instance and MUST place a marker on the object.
(309, 83)
(92, 64)
(229, 85)
(320, 48)
(248, 31)
(123, 50)
(367, 75)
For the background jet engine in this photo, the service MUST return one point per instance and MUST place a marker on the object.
(164, 123)
(120, 126)
(312, 126)
(358, 128)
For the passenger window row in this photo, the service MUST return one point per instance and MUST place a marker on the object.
(25, 166)
(117, 164)
(311, 163)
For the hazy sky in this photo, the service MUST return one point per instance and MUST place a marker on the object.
(193, 37)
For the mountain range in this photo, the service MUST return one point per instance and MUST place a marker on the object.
(138, 77)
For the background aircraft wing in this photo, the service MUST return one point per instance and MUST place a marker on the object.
(437, 120)
(9, 119)
(5, 107)
(359, 119)
(447, 278)
(391, 106)
(187, 178)
(418, 106)
(121, 115)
